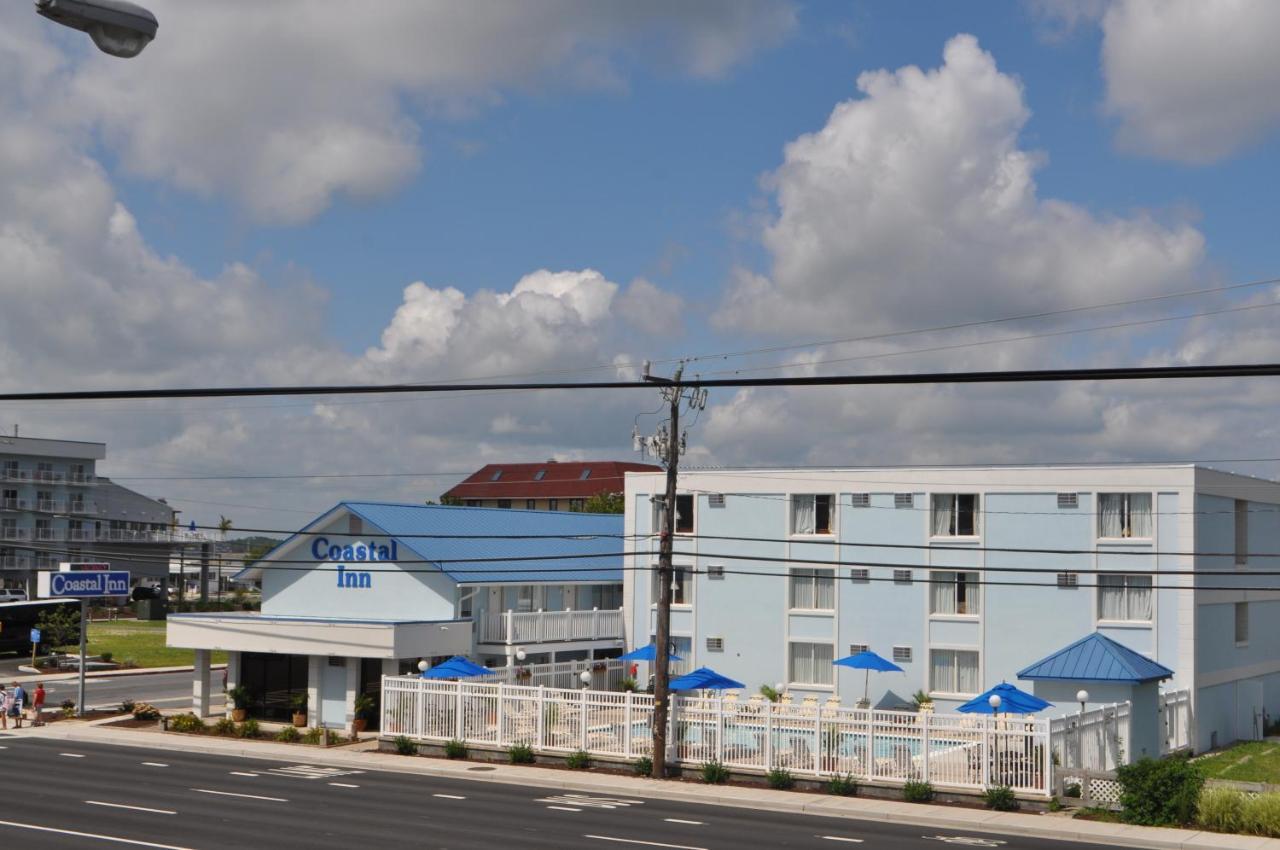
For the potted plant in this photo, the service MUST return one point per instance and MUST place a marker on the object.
(299, 703)
(924, 702)
(239, 697)
(364, 708)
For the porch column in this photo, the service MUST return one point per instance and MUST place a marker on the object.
(200, 683)
(315, 669)
(353, 689)
(233, 676)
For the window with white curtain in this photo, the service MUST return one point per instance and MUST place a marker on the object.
(811, 514)
(810, 663)
(1124, 597)
(813, 589)
(681, 586)
(955, 515)
(954, 671)
(954, 593)
(1124, 514)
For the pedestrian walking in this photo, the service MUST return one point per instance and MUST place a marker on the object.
(4, 708)
(17, 699)
(37, 705)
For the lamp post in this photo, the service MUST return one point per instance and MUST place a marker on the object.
(117, 27)
(994, 702)
(585, 678)
(422, 665)
(1082, 696)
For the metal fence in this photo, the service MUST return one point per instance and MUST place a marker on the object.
(1092, 740)
(955, 751)
(606, 675)
(1175, 719)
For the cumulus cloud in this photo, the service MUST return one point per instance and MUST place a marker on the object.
(284, 106)
(1191, 81)
(915, 205)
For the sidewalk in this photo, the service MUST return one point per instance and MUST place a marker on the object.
(106, 674)
(361, 756)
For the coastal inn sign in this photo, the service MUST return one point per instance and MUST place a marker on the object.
(73, 585)
(323, 550)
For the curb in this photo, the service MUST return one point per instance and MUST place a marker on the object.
(932, 817)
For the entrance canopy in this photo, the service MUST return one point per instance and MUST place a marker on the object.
(1096, 658)
(250, 632)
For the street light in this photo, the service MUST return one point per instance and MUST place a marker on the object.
(118, 27)
(585, 678)
(423, 665)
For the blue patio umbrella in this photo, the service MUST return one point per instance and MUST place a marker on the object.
(703, 679)
(867, 660)
(456, 667)
(647, 653)
(1012, 701)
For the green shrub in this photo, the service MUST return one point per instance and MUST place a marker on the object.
(315, 735)
(520, 754)
(145, 711)
(249, 729)
(455, 749)
(781, 779)
(224, 726)
(126, 706)
(1072, 789)
(289, 735)
(186, 723)
(1261, 815)
(917, 792)
(1055, 805)
(1221, 809)
(405, 747)
(714, 773)
(1001, 799)
(842, 786)
(643, 766)
(106, 656)
(770, 693)
(628, 683)
(1159, 792)
(579, 760)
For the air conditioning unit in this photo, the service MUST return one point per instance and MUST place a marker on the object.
(855, 648)
(715, 644)
(1068, 579)
(861, 500)
(1068, 501)
(902, 576)
(715, 572)
(904, 500)
(715, 500)
(860, 574)
(902, 654)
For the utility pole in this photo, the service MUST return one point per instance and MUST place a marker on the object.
(204, 571)
(667, 445)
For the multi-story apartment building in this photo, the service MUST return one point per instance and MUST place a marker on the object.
(965, 576)
(549, 486)
(54, 507)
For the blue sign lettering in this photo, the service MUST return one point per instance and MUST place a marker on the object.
(323, 550)
(96, 583)
(358, 580)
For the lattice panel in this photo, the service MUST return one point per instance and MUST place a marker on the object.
(1104, 790)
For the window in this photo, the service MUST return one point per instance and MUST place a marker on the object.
(904, 500)
(497, 473)
(902, 576)
(810, 663)
(955, 515)
(586, 473)
(530, 504)
(1068, 580)
(813, 589)
(681, 586)
(860, 574)
(1242, 623)
(684, 514)
(1124, 514)
(954, 671)
(715, 644)
(811, 514)
(855, 648)
(1068, 501)
(577, 504)
(604, 597)
(1124, 597)
(860, 500)
(539, 475)
(1242, 531)
(715, 572)
(902, 654)
(953, 593)
(473, 503)
(504, 503)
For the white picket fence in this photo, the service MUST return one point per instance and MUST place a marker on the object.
(1175, 717)
(606, 675)
(1097, 739)
(947, 750)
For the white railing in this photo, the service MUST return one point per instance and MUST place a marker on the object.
(1097, 739)
(50, 506)
(606, 674)
(15, 534)
(14, 504)
(953, 751)
(16, 475)
(1175, 717)
(522, 627)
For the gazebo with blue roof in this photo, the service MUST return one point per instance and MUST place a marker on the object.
(1111, 673)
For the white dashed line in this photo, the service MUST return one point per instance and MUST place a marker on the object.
(131, 808)
(689, 822)
(645, 843)
(343, 785)
(564, 809)
(242, 773)
(839, 838)
(154, 764)
(449, 796)
(243, 796)
(72, 755)
(115, 840)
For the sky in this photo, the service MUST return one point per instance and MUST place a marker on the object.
(283, 194)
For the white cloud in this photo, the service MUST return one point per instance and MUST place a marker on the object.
(284, 106)
(914, 205)
(1192, 81)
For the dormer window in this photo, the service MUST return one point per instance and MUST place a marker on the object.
(586, 473)
(497, 473)
(539, 475)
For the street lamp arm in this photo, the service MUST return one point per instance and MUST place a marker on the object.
(118, 27)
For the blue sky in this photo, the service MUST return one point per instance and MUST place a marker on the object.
(172, 210)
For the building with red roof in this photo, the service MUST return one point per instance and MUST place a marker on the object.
(546, 486)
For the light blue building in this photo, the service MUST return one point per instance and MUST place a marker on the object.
(965, 576)
(370, 589)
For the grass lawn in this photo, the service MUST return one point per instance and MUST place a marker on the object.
(140, 641)
(1256, 761)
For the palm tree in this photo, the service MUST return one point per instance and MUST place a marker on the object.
(224, 525)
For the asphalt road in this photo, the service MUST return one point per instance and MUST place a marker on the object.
(164, 690)
(72, 795)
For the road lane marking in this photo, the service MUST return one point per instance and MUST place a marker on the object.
(564, 808)
(689, 822)
(132, 808)
(245, 796)
(114, 839)
(154, 764)
(449, 796)
(308, 771)
(589, 802)
(72, 755)
(645, 843)
(343, 785)
(967, 840)
(242, 773)
(840, 838)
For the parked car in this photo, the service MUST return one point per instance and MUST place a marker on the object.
(11, 595)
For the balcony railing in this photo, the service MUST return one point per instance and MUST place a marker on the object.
(14, 505)
(83, 508)
(15, 562)
(81, 478)
(79, 535)
(51, 506)
(15, 475)
(122, 535)
(50, 534)
(49, 476)
(515, 627)
(15, 534)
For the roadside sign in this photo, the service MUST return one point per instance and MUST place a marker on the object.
(75, 566)
(35, 635)
(83, 585)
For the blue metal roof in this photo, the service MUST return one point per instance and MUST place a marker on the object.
(1096, 658)
(590, 550)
